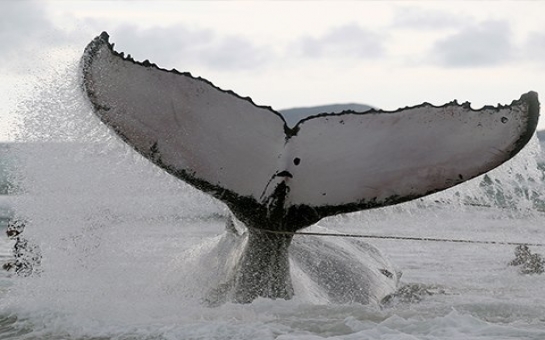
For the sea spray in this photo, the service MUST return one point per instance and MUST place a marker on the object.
(109, 225)
(79, 182)
(89, 200)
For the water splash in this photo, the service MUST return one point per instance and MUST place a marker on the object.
(109, 224)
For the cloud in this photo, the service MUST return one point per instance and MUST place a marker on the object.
(235, 52)
(172, 45)
(176, 46)
(24, 26)
(27, 36)
(21, 22)
(485, 44)
(27, 33)
(535, 47)
(344, 41)
(427, 19)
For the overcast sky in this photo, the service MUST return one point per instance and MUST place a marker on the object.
(284, 54)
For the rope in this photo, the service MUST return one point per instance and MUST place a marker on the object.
(406, 238)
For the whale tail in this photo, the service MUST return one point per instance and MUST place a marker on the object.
(277, 177)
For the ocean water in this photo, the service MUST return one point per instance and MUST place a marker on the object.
(112, 229)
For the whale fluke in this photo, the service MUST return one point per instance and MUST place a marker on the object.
(276, 177)
(282, 178)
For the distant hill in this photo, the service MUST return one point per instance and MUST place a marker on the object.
(294, 115)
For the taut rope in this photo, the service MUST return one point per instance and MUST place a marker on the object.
(405, 238)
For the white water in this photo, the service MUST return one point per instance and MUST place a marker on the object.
(109, 226)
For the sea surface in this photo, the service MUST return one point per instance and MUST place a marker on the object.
(114, 230)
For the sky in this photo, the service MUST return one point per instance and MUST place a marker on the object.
(387, 54)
